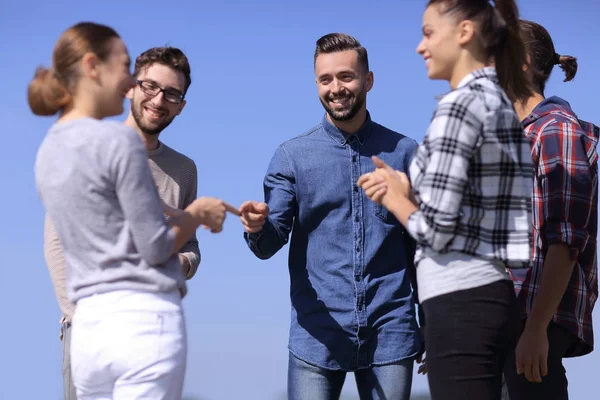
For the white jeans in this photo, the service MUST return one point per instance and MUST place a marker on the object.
(129, 345)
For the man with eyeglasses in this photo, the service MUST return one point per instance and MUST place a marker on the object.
(163, 78)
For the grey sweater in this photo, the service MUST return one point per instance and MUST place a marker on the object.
(176, 179)
(95, 183)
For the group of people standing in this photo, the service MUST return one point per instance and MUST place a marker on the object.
(473, 253)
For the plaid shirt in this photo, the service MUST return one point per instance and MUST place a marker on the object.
(472, 176)
(565, 210)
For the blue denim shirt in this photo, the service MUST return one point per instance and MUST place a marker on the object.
(350, 260)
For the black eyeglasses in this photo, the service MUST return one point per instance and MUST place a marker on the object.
(152, 89)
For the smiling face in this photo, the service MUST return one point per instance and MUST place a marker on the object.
(157, 98)
(440, 46)
(342, 84)
(114, 79)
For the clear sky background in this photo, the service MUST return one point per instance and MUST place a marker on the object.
(253, 87)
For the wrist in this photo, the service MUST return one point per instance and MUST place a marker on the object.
(402, 208)
(198, 213)
(535, 325)
(392, 206)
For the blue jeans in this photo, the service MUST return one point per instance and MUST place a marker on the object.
(386, 382)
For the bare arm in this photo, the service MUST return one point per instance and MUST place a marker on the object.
(556, 273)
(567, 187)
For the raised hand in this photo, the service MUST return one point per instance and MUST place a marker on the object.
(253, 215)
(384, 185)
(373, 185)
(212, 212)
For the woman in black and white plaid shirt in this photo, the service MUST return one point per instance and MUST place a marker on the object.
(470, 205)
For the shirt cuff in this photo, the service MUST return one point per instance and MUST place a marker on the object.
(191, 271)
(567, 234)
(252, 238)
(412, 225)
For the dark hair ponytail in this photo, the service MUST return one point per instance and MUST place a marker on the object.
(509, 54)
(569, 66)
(543, 56)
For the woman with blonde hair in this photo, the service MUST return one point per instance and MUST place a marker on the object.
(128, 331)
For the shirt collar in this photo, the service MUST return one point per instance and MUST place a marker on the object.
(485, 72)
(157, 150)
(343, 137)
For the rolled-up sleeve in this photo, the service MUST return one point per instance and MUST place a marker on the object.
(567, 185)
(280, 196)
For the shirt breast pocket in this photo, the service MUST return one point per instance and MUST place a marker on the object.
(385, 215)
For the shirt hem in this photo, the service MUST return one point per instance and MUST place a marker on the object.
(340, 368)
(583, 347)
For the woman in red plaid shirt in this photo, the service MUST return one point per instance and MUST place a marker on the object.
(556, 296)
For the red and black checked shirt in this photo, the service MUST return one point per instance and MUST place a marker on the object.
(565, 210)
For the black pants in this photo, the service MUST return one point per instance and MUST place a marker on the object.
(554, 385)
(468, 336)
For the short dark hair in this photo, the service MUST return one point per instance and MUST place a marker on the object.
(336, 42)
(169, 56)
(543, 55)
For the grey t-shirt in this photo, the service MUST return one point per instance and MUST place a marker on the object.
(95, 183)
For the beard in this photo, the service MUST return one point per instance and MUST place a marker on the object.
(349, 111)
(150, 127)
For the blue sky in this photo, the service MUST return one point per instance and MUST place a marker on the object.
(253, 87)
